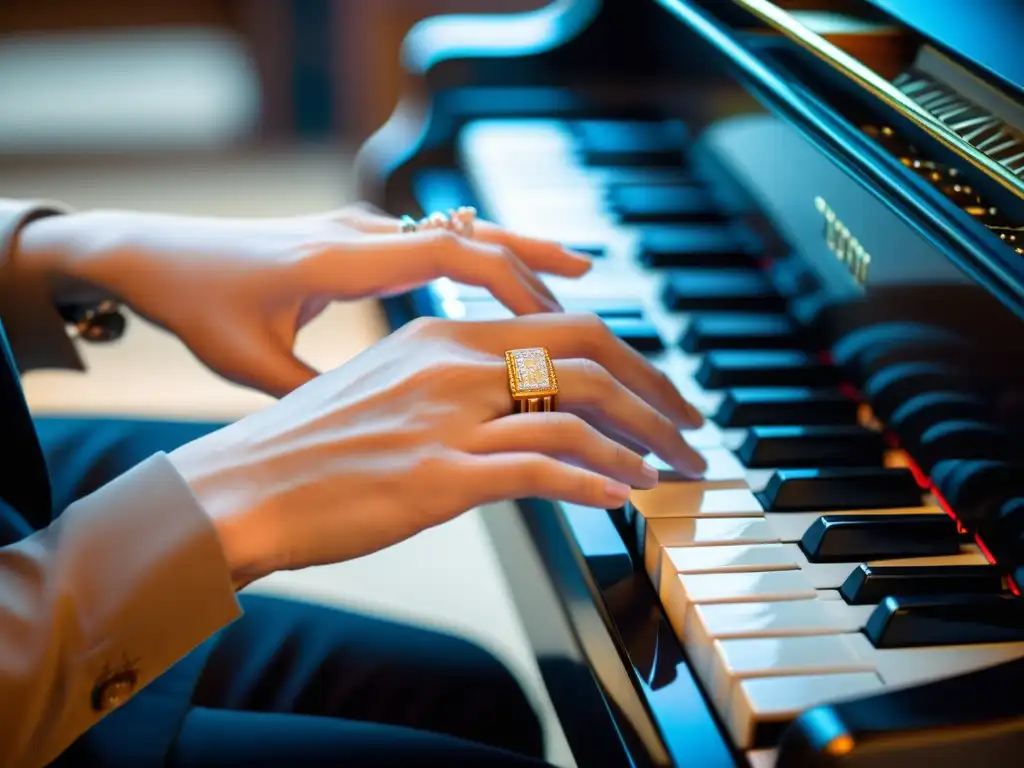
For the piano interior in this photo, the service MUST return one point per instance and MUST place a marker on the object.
(810, 215)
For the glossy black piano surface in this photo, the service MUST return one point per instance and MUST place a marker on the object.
(813, 223)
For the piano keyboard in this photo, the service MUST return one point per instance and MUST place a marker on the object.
(809, 566)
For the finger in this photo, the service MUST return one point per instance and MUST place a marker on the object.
(509, 476)
(418, 258)
(585, 336)
(566, 437)
(536, 254)
(589, 390)
(540, 255)
(527, 274)
(620, 438)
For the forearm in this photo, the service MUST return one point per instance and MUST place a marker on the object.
(128, 580)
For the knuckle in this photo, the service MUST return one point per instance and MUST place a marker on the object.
(663, 424)
(432, 463)
(588, 486)
(624, 456)
(597, 376)
(533, 474)
(594, 333)
(503, 260)
(570, 427)
(443, 239)
(442, 375)
(424, 325)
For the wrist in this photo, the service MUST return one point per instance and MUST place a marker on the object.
(63, 251)
(223, 494)
(40, 249)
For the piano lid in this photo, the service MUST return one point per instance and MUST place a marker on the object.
(985, 33)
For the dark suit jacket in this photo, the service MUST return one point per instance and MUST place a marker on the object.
(134, 571)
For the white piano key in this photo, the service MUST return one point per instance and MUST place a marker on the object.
(696, 499)
(741, 659)
(769, 556)
(746, 587)
(900, 667)
(705, 623)
(663, 534)
(773, 700)
(722, 466)
(730, 587)
(762, 758)
(709, 435)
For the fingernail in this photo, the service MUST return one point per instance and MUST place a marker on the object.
(700, 466)
(618, 493)
(650, 472)
(695, 417)
(585, 259)
(577, 254)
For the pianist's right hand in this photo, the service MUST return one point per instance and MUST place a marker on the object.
(419, 428)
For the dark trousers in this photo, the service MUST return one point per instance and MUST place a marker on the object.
(289, 683)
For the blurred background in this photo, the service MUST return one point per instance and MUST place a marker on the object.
(240, 108)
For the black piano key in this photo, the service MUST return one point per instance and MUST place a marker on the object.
(845, 445)
(740, 331)
(792, 278)
(920, 412)
(783, 406)
(958, 439)
(1003, 534)
(870, 348)
(849, 538)
(970, 719)
(695, 245)
(723, 369)
(639, 333)
(871, 584)
(630, 143)
(734, 289)
(807, 490)
(977, 488)
(888, 389)
(916, 620)
(636, 204)
(614, 176)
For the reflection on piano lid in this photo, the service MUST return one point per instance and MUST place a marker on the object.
(813, 229)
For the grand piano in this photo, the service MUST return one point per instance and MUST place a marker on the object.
(810, 214)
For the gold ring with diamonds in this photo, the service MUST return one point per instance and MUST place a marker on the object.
(531, 379)
(460, 220)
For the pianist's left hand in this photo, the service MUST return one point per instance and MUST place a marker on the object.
(237, 291)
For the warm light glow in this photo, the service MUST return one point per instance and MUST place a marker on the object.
(840, 745)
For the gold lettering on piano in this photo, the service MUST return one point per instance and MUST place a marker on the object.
(843, 244)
